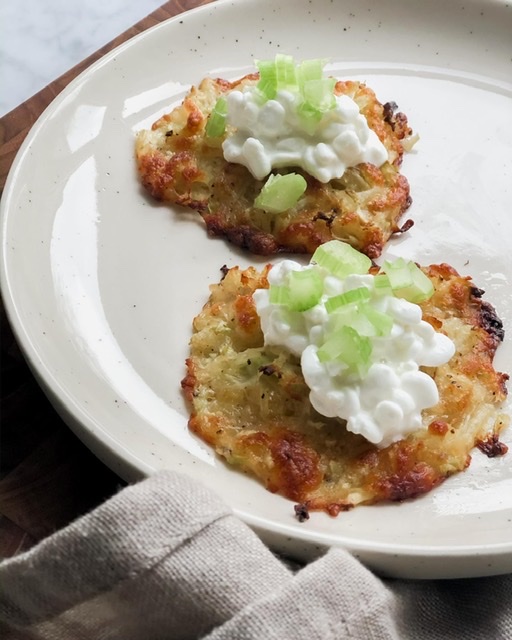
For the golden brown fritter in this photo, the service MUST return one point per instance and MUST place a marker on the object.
(179, 164)
(251, 404)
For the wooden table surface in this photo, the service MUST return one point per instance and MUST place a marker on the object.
(47, 476)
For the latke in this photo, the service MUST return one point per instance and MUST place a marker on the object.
(179, 164)
(250, 403)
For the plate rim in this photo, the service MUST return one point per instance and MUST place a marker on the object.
(71, 412)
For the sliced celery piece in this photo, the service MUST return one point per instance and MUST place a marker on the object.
(398, 273)
(309, 117)
(348, 347)
(311, 70)
(305, 289)
(408, 281)
(361, 294)
(319, 94)
(279, 294)
(216, 124)
(382, 286)
(286, 72)
(382, 322)
(306, 79)
(340, 259)
(351, 315)
(267, 84)
(422, 288)
(280, 192)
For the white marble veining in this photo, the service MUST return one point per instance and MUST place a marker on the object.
(41, 39)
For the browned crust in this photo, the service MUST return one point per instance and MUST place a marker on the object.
(177, 163)
(251, 403)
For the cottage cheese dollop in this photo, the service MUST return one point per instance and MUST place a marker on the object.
(386, 404)
(273, 135)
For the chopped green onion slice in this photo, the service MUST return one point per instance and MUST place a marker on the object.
(306, 289)
(348, 347)
(340, 259)
(216, 124)
(280, 192)
(361, 294)
(408, 281)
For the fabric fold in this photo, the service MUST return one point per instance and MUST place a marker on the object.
(333, 597)
(163, 554)
(167, 559)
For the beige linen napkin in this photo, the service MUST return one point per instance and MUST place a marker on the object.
(166, 559)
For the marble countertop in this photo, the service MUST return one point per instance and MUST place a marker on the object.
(40, 40)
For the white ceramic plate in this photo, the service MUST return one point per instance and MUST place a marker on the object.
(101, 284)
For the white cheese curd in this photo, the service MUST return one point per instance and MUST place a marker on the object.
(386, 404)
(280, 325)
(272, 135)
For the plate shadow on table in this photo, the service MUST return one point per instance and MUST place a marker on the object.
(47, 476)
